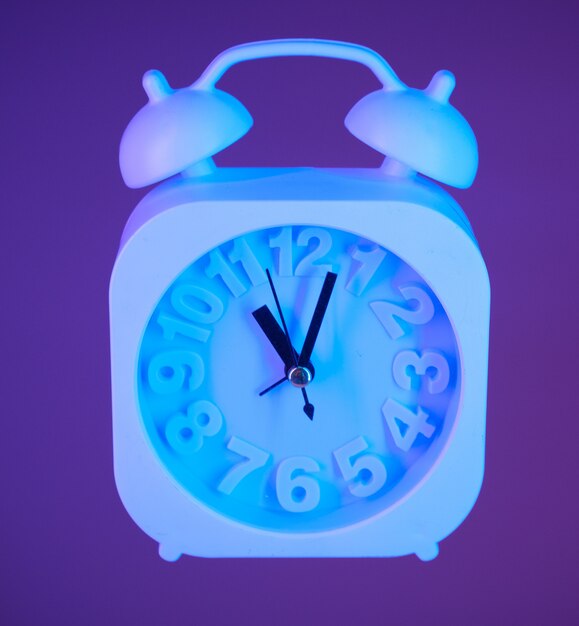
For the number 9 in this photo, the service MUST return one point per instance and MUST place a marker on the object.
(168, 371)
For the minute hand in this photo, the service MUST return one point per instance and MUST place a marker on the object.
(317, 318)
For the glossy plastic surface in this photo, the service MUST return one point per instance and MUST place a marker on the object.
(176, 129)
(393, 460)
(420, 129)
(179, 232)
(179, 128)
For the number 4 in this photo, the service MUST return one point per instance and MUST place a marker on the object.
(405, 425)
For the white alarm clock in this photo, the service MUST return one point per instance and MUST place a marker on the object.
(299, 355)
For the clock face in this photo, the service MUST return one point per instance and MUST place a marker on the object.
(384, 389)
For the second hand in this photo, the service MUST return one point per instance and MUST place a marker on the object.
(308, 406)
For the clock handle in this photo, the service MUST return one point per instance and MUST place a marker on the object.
(179, 130)
(299, 47)
(418, 130)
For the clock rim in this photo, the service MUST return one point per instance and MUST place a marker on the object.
(391, 225)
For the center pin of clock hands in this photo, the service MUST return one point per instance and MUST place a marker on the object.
(297, 375)
(299, 370)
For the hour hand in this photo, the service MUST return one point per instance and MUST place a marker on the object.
(274, 332)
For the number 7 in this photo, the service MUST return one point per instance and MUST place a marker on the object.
(255, 458)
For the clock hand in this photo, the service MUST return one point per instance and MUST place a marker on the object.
(312, 333)
(317, 318)
(273, 331)
(308, 406)
(276, 384)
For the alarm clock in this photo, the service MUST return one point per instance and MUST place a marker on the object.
(299, 355)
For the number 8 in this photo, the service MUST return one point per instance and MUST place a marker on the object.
(185, 433)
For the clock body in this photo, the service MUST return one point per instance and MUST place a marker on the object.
(393, 459)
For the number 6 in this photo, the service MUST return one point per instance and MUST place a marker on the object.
(301, 493)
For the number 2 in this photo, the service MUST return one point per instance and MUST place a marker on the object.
(387, 312)
(309, 265)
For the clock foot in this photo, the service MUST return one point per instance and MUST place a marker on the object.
(427, 551)
(169, 552)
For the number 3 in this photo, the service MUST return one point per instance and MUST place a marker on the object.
(429, 360)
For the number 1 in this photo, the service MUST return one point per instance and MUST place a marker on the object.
(368, 263)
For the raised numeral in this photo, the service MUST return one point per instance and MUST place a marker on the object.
(387, 312)
(308, 266)
(405, 425)
(218, 266)
(172, 326)
(367, 474)
(368, 263)
(241, 253)
(187, 298)
(168, 372)
(186, 433)
(197, 306)
(430, 364)
(254, 459)
(283, 242)
(296, 491)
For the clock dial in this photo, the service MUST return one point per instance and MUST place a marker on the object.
(385, 384)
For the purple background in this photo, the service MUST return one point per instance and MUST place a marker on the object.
(70, 83)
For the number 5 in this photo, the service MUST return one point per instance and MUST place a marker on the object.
(362, 485)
